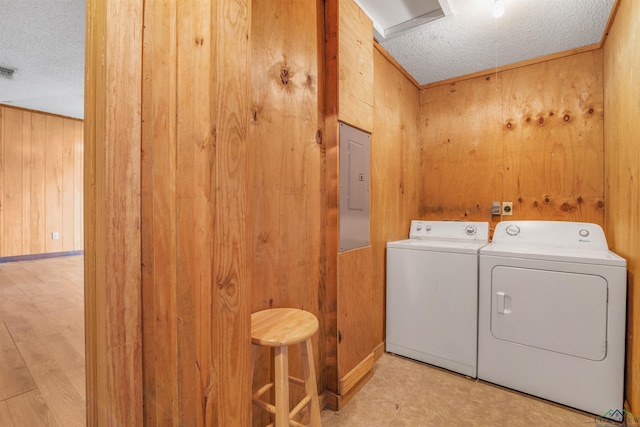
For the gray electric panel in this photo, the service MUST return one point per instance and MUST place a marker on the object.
(355, 187)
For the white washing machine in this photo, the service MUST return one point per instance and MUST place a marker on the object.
(552, 308)
(432, 294)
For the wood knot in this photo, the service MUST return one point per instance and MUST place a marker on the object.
(600, 204)
(270, 302)
(541, 121)
(520, 200)
(566, 118)
(528, 119)
(318, 137)
(550, 113)
(547, 200)
(536, 204)
(590, 111)
(284, 76)
(566, 207)
(509, 125)
(255, 115)
(580, 200)
(199, 41)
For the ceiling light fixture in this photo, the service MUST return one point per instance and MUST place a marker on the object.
(498, 9)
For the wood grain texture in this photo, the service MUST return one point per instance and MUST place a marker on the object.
(534, 137)
(285, 163)
(42, 305)
(355, 308)
(622, 169)
(553, 139)
(37, 175)
(395, 172)
(460, 164)
(14, 374)
(112, 204)
(355, 66)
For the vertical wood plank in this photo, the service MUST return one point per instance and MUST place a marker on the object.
(231, 276)
(12, 192)
(78, 179)
(25, 166)
(355, 59)
(38, 184)
(622, 169)
(67, 169)
(158, 215)
(112, 197)
(285, 164)
(2, 162)
(53, 182)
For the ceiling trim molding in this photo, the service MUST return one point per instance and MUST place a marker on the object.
(395, 63)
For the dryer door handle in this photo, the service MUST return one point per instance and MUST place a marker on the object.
(504, 303)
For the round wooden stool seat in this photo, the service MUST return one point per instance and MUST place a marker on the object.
(279, 328)
(282, 326)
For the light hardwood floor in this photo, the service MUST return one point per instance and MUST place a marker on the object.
(42, 364)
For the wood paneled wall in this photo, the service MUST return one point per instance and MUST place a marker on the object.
(349, 286)
(622, 169)
(531, 135)
(167, 261)
(395, 173)
(41, 160)
(285, 180)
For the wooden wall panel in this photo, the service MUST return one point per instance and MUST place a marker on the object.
(38, 187)
(53, 174)
(113, 321)
(355, 59)
(461, 161)
(195, 224)
(553, 139)
(622, 170)
(285, 168)
(78, 182)
(39, 161)
(68, 206)
(12, 174)
(25, 167)
(532, 136)
(355, 309)
(395, 177)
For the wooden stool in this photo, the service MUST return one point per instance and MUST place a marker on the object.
(279, 328)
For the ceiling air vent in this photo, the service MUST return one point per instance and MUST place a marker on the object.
(394, 18)
(7, 73)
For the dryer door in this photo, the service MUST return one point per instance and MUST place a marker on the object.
(555, 311)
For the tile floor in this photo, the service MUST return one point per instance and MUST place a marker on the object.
(403, 392)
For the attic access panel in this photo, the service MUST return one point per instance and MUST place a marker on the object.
(355, 188)
(394, 18)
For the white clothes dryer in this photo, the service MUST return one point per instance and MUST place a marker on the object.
(432, 294)
(552, 310)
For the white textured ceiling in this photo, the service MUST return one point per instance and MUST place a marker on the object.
(44, 41)
(472, 40)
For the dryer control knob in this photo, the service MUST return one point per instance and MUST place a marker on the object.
(513, 230)
(470, 230)
(584, 232)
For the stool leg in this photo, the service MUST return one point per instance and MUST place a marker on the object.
(310, 381)
(281, 358)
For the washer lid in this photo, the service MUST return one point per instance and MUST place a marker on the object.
(554, 253)
(450, 246)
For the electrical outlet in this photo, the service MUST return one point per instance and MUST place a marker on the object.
(495, 208)
(55, 235)
(507, 208)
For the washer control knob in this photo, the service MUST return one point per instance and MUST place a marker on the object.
(584, 233)
(513, 230)
(427, 227)
(470, 230)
